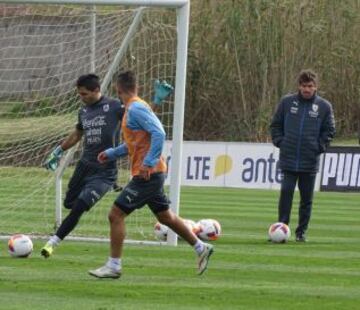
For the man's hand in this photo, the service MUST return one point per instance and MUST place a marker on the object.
(52, 161)
(102, 157)
(145, 172)
(162, 90)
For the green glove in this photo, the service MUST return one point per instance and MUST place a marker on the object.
(162, 90)
(53, 159)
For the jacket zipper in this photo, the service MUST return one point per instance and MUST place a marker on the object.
(299, 141)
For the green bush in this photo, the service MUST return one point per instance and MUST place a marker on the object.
(244, 55)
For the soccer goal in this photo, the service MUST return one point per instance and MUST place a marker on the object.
(44, 47)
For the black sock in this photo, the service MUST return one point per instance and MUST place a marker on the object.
(69, 223)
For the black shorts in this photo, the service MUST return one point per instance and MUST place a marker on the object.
(89, 184)
(139, 192)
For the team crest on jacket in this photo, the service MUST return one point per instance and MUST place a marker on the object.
(315, 107)
(106, 107)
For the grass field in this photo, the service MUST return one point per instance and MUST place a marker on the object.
(246, 272)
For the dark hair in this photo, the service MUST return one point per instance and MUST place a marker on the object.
(127, 80)
(306, 76)
(89, 81)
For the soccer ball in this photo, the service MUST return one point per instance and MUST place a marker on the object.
(279, 233)
(194, 227)
(161, 231)
(209, 229)
(20, 246)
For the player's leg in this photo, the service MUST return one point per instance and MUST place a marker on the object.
(131, 198)
(67, 225)
(174, 222)
(112, 268)
(71, 220)
(159, 205)
(306, 189)
(93, 190)
(75, 186)
(203, 250)
(117, 231)
(288, 184)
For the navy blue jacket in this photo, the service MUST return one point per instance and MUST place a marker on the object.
(302, 129)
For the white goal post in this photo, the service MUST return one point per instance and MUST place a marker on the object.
(19, 159)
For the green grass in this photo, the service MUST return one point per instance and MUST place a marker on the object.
(246, 272)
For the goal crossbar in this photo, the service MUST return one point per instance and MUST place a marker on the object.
(150, 3)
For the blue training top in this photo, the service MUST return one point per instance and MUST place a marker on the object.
(140, 117)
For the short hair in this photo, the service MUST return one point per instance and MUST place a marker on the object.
(89, 81)
(127, 80)
(306, 76)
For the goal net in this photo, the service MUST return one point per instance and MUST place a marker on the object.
(43, 50)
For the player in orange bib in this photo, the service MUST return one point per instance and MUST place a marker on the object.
(144, 137)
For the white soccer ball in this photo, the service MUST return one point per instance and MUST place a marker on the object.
(209, 229)
(20, 245)
(161, 231)
(279, 232)
(192, 225)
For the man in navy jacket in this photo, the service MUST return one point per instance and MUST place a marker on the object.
(302, 128)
